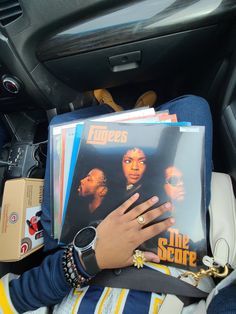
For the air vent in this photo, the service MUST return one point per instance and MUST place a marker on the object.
(10, 10)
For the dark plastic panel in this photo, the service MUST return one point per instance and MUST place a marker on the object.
(19, 39)
(159, 56)
(135, 21)
(229, 136)
(228, 122)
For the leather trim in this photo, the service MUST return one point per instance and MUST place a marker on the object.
(222, 211)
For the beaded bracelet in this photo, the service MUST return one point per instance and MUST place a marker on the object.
(73, 277)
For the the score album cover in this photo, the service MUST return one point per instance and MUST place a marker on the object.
(116, 160)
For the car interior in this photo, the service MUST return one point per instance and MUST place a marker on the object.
(53, 54)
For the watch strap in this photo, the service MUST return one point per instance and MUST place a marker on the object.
(90, 262)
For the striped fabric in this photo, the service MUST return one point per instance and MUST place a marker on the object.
(99, 300)
(6, 306)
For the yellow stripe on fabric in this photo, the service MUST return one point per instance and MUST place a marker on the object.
(159, 266)
(103, 300)
(4, 303)
(120, 300)
(157, 302)
(79, 293)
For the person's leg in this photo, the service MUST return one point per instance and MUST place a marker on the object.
(224, 302)
(46, 217)
(196, 110)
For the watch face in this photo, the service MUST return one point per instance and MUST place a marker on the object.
(85, 237)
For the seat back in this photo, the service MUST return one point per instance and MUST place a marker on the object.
(223, 220)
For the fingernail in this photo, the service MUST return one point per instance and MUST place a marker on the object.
(154, 199)
(172, 220)
(167, 205)
(135, 195)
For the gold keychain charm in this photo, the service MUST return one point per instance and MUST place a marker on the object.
(202, 273)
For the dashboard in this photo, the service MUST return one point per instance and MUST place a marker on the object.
(51, 50)
(134, 22)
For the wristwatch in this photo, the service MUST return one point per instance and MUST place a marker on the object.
(84, 243)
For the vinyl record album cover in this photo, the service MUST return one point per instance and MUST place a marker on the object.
(116, 160)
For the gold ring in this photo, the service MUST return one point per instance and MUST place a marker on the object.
(140, 219)
(138, 259)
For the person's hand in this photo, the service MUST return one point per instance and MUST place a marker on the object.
(119, 234)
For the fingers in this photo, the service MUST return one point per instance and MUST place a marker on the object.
(123, 207)
(153, 214)
(149, 257)
(138, 210)
(155, 229)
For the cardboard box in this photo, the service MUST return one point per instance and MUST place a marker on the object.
(20, 227)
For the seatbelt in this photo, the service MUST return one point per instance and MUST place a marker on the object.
(150, 281)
